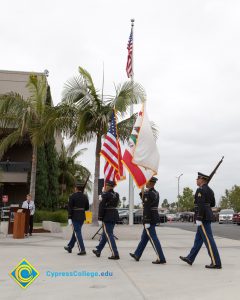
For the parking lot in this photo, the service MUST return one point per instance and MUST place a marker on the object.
(228, 230)
(136, 280)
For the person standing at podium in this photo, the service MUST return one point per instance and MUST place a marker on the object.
(29, 204)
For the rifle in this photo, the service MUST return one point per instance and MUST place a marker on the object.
(214, 171)
(86, 182)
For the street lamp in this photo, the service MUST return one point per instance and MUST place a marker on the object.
(178, 195)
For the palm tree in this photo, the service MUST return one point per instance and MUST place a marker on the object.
(22, 118)
(71, 170)
(85, 112)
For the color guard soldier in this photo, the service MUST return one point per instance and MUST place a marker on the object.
(108, 214)
(151, 217)
(204, 200)
(77, 205)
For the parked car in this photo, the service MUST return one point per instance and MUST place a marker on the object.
(177, 216)
(170, 217)
(137, 217)
(163, 218)
(124, 216)
(215, 216)
(225, 216)
(122, 211)
(187, 216)
(236, 218)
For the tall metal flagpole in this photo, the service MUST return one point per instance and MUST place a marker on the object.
(131, 191)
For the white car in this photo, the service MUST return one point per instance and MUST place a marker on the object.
(226, 216)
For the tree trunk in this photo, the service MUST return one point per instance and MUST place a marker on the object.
(33, 172)
(95, 188)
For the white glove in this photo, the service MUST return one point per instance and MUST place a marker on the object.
(198, 223)
(100, 223)
(147, 225)
(69, 221)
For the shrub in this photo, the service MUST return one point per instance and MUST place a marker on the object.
(63, 200)
(60, 216)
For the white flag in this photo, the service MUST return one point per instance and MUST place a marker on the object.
(146, 153)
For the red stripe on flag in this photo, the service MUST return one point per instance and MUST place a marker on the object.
(109, 172)
(113, 169)
(110, 149)
(109, 159)
(111, 140)
(135, 171)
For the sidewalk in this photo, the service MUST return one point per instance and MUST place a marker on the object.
(130, 279)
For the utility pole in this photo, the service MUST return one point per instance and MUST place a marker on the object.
(178, 194)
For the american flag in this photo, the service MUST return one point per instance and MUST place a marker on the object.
(129, 68)
(111, 151)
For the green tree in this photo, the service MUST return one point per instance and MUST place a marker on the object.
(137, 206)
(186, 200)
(173, 206)
(52, 165)
(41, 194)
(70, 170)
(53, 173)
(165, 203)
(85, 112)
(231, 199)
(22, 118)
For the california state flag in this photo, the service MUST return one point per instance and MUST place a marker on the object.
(141, 157)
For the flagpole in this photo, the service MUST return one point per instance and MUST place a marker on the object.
(131, 191)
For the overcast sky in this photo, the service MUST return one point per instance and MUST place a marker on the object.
(186, 55)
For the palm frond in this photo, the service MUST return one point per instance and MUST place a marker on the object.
(13, 111)
(86, 125)
(88, 80)
(70, 169)
(10, 140)
(74, 90)
(125, 128)
(58, 119)
(75, 155)
(37, 86)
(126, 94)
(97, 99)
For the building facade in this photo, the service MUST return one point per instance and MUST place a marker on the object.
(15, 165)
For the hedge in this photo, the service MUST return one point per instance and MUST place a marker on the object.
(60, 216)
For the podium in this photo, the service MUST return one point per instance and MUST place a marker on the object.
(19, 224)
(12, 214)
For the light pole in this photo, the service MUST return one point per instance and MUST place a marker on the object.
(178, 195)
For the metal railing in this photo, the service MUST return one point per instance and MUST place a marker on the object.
(5, 213)
(12, 166)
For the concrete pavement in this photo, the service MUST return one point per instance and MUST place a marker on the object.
(130, 279)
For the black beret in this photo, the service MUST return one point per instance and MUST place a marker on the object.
(153, 179)
(110, 183)
(202, 176)
(80, 184)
